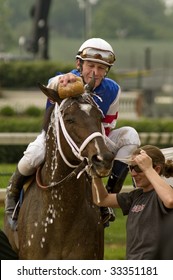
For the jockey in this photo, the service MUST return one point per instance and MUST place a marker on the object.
(94, 56)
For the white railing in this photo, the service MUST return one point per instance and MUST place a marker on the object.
(130, 105)
(24, 138)
(15, 138)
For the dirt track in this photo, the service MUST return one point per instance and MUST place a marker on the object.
(22, 99)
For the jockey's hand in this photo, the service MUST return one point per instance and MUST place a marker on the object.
(70, 86)
(62, 80)
(67, 78)
(67, 85)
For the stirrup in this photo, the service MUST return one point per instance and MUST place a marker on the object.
(13, 218)
(108, 216)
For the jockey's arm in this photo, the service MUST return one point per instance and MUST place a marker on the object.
(110, 120)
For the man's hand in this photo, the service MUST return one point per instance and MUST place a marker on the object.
(67, 85)
(67, 78)
(70, 86)
(61, 79)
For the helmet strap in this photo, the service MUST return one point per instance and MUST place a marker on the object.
(107, 70)
(79, 66)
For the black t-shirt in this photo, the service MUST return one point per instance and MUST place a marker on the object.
(145, 213)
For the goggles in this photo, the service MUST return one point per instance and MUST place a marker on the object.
(106, 57)
(136, 168)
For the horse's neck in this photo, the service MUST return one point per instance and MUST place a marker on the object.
(65, 186)
(55, 169)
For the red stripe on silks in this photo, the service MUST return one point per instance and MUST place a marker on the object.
(107, 130)
(110, 118)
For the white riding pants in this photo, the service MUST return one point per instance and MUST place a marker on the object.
(122, 142)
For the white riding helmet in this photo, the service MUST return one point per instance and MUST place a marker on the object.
(97, 50)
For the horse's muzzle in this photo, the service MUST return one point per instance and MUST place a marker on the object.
(102, 164)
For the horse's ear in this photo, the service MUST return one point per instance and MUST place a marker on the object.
(50, 93)
(89, 87)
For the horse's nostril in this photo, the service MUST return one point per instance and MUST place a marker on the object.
(105, 159)
(97, 158)
(108, 157)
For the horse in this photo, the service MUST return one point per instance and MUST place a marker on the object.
(58, 219)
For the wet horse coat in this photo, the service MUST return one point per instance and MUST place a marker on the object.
(58, 219)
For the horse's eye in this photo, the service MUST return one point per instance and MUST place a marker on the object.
(69, 120)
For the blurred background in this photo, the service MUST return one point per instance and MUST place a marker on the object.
(141, 33)
(33, 24)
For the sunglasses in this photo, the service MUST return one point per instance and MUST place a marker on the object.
(105, 56)
(136, 168)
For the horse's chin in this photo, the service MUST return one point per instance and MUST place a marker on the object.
(102, 173)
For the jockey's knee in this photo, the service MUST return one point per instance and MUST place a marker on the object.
(124, 141)
(130, 141)
(25, 168)
(129, 136)
(124, 136)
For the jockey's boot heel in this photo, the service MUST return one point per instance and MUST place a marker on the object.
(12, 196)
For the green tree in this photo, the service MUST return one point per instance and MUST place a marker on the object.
(111, 19)
(66, 18)
(132, 19)
(5, 30)
(20, 19)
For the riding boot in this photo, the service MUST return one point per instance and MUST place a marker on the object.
(12, 196)
(114, 185)
(117, 177)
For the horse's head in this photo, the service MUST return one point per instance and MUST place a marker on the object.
(79, 121)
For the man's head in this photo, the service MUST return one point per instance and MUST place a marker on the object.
(95, 55)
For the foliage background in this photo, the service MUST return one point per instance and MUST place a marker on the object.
(112, 19)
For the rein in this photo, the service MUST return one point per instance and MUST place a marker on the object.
(78, 170)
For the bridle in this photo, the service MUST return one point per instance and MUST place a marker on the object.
(77, 151)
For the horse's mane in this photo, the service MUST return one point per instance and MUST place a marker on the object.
(46, 118)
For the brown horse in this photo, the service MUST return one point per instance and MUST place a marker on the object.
(58, 219)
